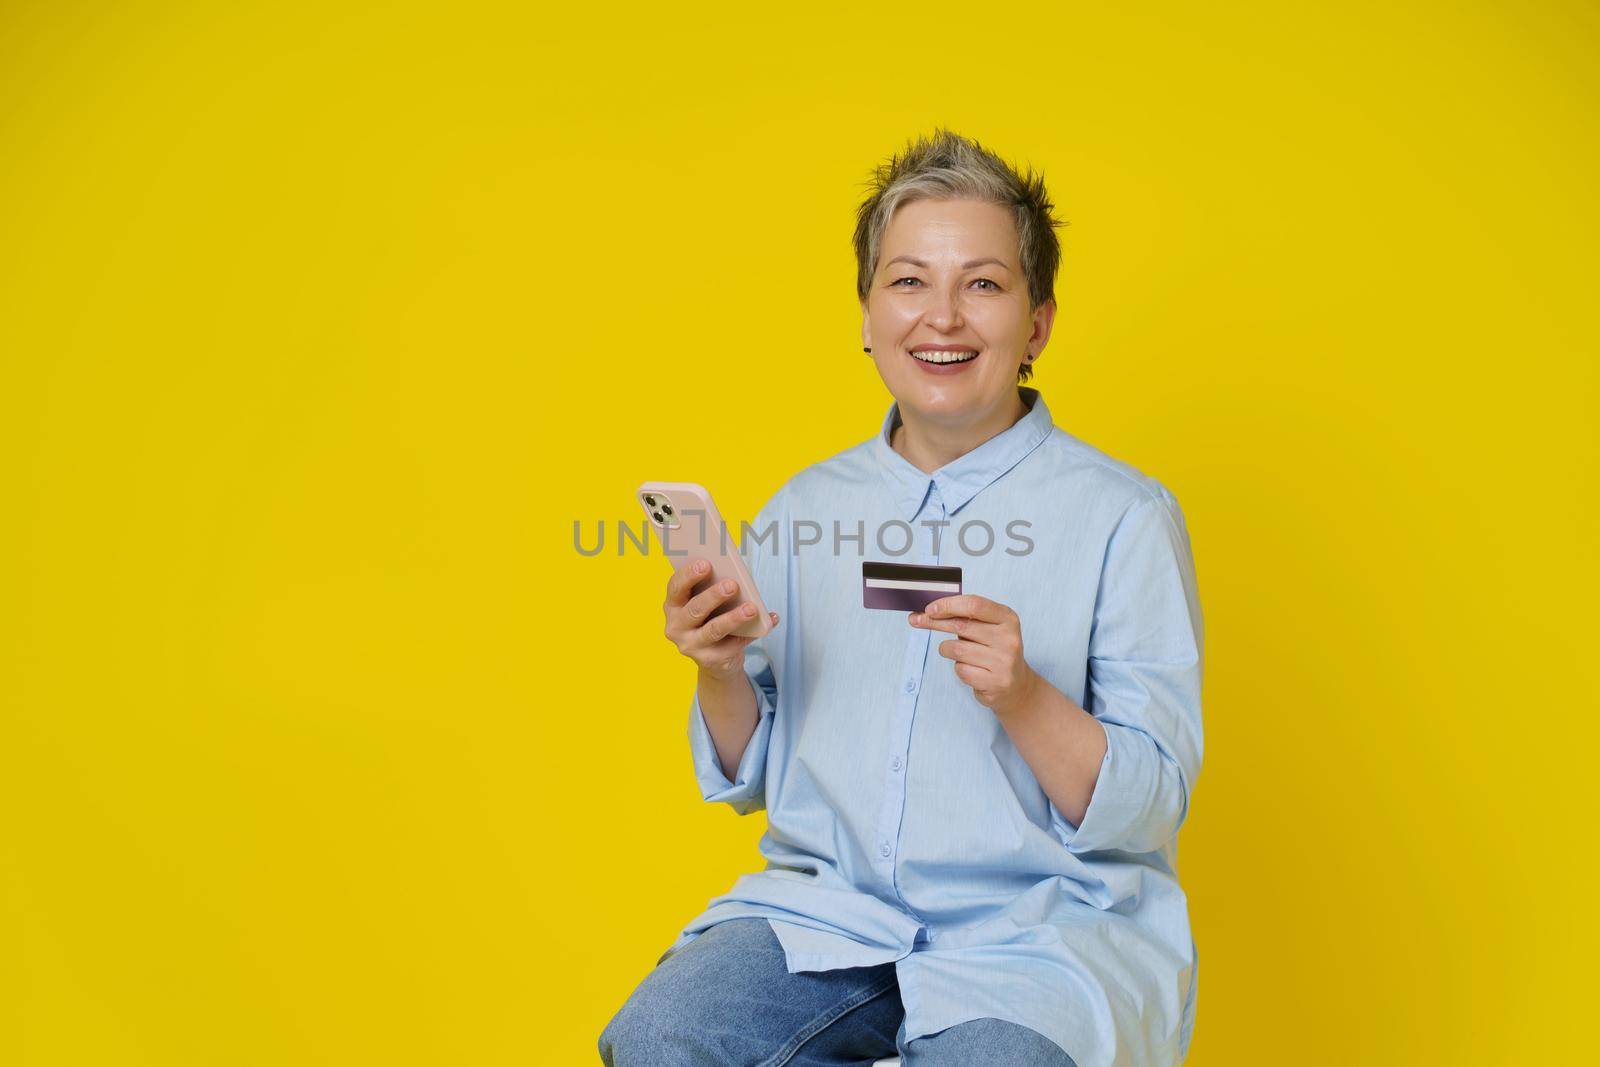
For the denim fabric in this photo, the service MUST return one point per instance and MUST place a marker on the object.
(727, 999)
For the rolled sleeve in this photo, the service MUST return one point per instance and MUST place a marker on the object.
(746, 792)
(1145, 655)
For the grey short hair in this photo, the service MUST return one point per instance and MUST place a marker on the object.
(948, 166)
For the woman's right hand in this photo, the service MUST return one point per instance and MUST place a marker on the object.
(710, 642)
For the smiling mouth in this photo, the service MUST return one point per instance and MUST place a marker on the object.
(941, 358)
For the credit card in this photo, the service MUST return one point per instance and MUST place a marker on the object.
(906, 586)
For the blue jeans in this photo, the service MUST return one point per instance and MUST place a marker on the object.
(727, 999)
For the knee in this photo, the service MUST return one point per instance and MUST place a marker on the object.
(683, 1011)
(641, 1030)
(619, 1047)
(988, 1040)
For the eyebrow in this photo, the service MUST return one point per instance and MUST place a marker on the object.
(968, 265)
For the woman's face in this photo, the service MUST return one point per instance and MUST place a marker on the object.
(949, 277)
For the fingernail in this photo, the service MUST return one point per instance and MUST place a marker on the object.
(727, 586)
(699, 566)
(916, 618)
(749, 609)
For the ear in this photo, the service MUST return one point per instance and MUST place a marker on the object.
(866, 326)
(1044, 317)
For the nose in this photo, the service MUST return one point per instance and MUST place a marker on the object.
(944, 314)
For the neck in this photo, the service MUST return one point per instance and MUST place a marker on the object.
(931, 443)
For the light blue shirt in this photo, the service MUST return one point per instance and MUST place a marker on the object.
(902, 822)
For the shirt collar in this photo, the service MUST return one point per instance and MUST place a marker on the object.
(965, 476)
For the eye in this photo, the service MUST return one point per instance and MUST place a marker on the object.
(992, 284)
(897, 281)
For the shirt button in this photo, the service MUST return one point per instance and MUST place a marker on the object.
(911, 685)
(883, 850)
(895, 763)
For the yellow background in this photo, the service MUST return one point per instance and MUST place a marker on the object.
(322, 324)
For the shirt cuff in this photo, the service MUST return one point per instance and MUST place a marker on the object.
(747, 791)
(1123, 809)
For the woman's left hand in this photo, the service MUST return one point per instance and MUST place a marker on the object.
(988, 656)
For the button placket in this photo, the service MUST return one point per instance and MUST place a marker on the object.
(913, 665)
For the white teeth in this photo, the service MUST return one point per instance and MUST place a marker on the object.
(945, 357)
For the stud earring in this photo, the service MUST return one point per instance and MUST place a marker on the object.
(866, 350)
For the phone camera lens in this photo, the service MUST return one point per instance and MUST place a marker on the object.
(667, 508)
(648, 499)
(657, 516)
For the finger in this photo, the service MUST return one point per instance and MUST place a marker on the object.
(975, 676)
(968, 629)
(727, 622)
(970, 606)
(683, 581)
(969, 652)
(700, 606)
(725, 654)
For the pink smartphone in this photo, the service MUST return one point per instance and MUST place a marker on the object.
(689, 527)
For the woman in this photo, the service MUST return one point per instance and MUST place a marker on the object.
(964, 866)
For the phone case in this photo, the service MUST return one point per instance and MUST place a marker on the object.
(688, 523)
